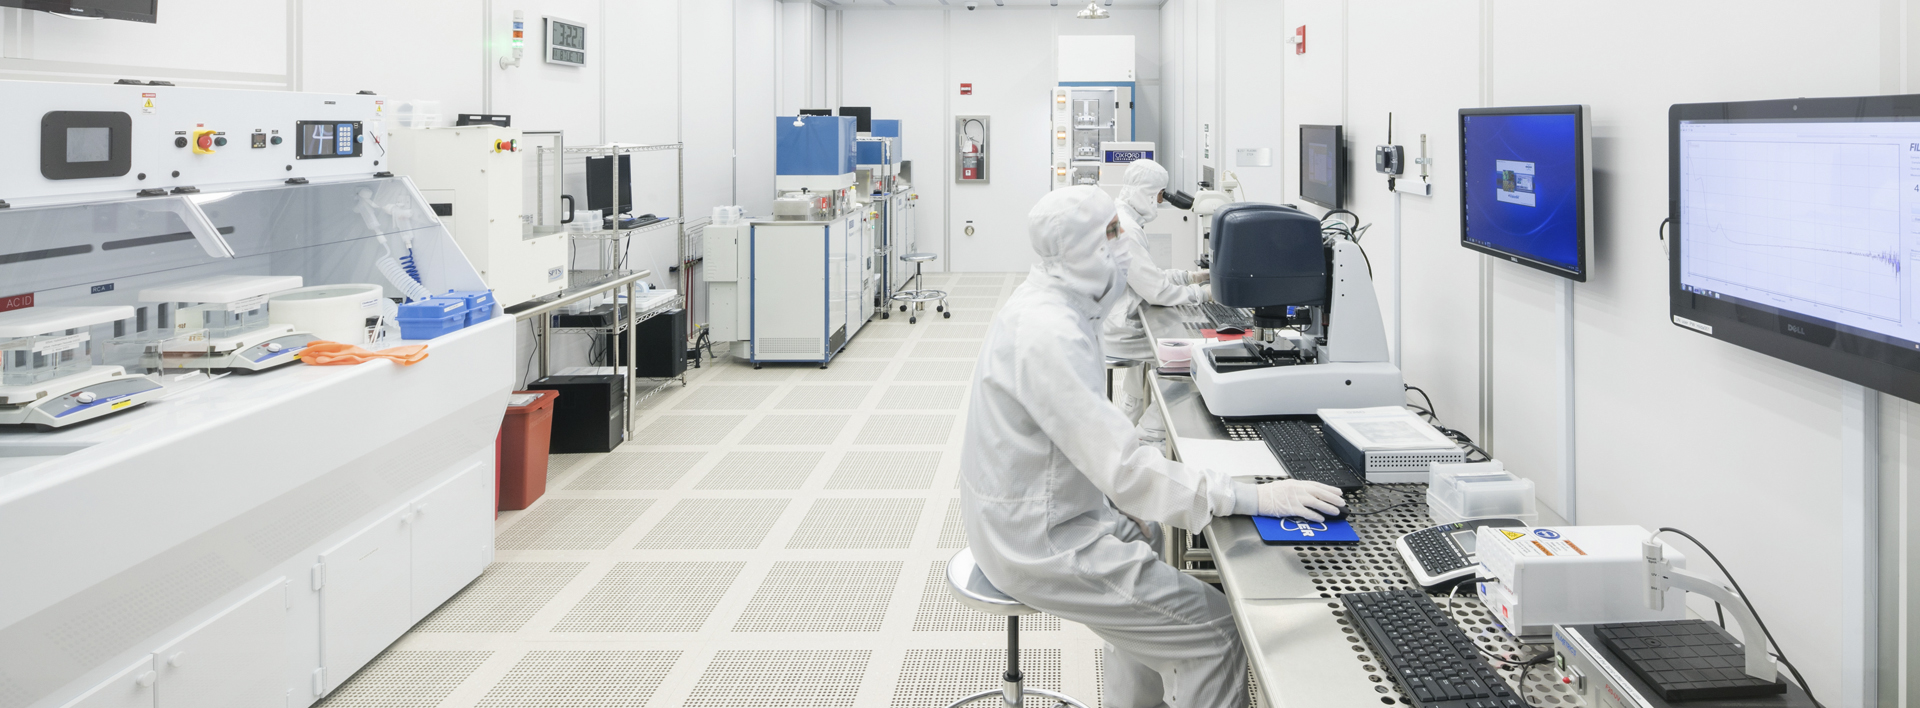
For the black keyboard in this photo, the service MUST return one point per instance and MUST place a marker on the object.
(1436, 663)
(1686, 660)
(1436, 552)
(1302, 448)
(1224, 316)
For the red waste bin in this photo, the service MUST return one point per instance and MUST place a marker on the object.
(524, 437)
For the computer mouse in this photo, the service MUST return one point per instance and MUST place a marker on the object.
(1340, 516)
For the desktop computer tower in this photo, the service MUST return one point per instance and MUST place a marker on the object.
(591, 413)
(663, 346)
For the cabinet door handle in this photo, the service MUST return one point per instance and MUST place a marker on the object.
(175, 660)
(145, 678)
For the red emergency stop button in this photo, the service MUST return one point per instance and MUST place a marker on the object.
(505, 146)
(203, 142)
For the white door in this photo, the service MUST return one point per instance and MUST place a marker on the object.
(452, 537)
(238, 658)
(365, 601)
(131, 687)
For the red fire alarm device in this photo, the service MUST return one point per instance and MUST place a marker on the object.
(966, 89)
(1300, 39)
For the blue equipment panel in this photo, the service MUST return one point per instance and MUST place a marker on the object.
(823, 145)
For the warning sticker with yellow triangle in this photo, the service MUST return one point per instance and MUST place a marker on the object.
(1511, 535)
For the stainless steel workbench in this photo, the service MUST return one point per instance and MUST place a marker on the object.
(1285, 600)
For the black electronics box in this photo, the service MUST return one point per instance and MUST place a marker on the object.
(663, 345)
(591, 413)
(601, 316)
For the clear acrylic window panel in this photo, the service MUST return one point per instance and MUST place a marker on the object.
(25, 361)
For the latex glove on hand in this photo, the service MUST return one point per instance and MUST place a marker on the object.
(1201, 277)
(1301, 498)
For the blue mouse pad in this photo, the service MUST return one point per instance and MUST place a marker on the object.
(1292, 530)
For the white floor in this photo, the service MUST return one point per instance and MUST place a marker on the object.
(771, 538)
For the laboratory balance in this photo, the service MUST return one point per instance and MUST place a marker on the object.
(47, 374)
(222, 322)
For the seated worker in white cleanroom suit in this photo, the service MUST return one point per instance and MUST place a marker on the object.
(1124, 335)
(1051, 474)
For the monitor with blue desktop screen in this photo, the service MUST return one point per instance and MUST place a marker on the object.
(1525, 187)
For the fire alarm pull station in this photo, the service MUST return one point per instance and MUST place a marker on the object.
(970, 140)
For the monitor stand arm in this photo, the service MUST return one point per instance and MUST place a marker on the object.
(1662, 576)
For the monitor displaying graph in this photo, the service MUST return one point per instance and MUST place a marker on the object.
(1794, 223)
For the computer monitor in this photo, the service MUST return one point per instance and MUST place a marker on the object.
(1323, 166)
(1792, 228)
(600, 176)
(816, 111)
(862, 115)
(1526, 187)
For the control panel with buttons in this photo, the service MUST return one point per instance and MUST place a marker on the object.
(119, 141)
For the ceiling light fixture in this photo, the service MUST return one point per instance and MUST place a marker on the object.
(1093, 11)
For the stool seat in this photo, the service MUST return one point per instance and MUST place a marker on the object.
(919, 257)
(971, 588)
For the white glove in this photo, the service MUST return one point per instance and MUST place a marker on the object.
(1301, 498)
(1200, 277)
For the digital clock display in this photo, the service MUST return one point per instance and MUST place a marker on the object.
(566, 42)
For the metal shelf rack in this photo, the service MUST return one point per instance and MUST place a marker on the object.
(612, 244)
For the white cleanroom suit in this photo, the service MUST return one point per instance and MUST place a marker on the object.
(1124, 335)
(1048, 467)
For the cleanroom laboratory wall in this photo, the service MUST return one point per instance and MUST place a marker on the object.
(1767, 461)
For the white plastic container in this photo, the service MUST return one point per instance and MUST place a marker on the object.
(1478, 490)
(337, 313)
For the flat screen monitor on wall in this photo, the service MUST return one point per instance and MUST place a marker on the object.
(1323, 166)
(1526, 187)
(1793, 222)
(132, 10)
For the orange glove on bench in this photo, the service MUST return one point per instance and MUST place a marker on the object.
(324, 353)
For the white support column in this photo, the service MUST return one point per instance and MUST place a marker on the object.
(1860, 534)
(1569, 475)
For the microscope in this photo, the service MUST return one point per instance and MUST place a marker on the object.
(1317, 341)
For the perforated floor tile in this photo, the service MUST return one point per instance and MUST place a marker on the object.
(688, 429)
(406, 679)
(978, 316)
(796, 430)
(724, 398)
(953, 531)
(652, 597)
(502, 599)
(945, 349)
(821, 397)
(937, 398)
(572, 524)
(582, 679)
(561, 464)
(859, 523)
(898, 429)
(887, 331)
(973, 291)
(715, 524)
(821, 596)
(761, 470)
(994, 280)
(960, 371)
(940, 612)
(872, 349)
(933, 678)
(943, 330)
(974, 303)
(626, 471)
(852, 370)
(736, 373)
(885, 470)
(770, 679)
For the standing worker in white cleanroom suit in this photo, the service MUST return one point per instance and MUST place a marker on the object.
(1051, 472)
(1124, 335)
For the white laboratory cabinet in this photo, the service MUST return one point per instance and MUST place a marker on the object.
(790, 290)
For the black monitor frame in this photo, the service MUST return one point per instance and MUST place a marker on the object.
(89, 8)
(1338, 199)
(1865, 358)
(862, 115)
(1583, 168)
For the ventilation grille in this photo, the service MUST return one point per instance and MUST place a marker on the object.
(953, 531)
(859, 523)
(581, 679)
(715, 524)
(688, 429)
(934, 678)
(906, 430)
(406, 679)
(940, 612)
(761, 679)
(725, 398)
(824, 397)
(761, 470)
(938, 398)
(652, 597)
(626, 471)
(502, 599)
(885, 470)
(789, 346)
(572, 524)
(796, 430)
(821, 596)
